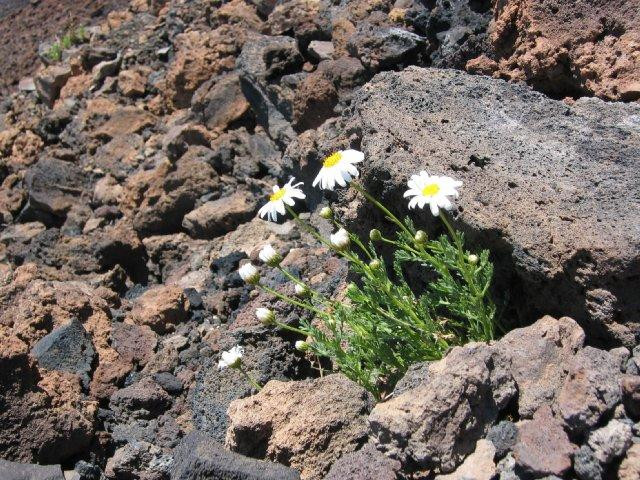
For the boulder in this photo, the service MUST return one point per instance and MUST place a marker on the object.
(68, 349)
(50, 80)
(526, 208)
(218, 217)
(138, 459)
(263, 62)
(437, 423)
(384, 48)
(161, 308)
(220, 102)
(24, 471)
(543, 447)
(477, 466)
(538, 355)
(365, 464)
(199, 456)
(144, 399)
(611, 441)
(576, 48)
(306, 424)
(630, 467)
(590, 390)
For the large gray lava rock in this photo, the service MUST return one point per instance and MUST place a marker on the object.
(199, 456)
(24, 471)
(548, 187)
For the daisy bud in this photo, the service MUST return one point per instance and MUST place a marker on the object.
(473, 259)
(249, 273)
(421, 237)
(375, 235)
(340, 240)
(352, 289)
(266, 316)
(301, 290)
(302, 346)
(374, 264)
(269, 256)
(326, 212)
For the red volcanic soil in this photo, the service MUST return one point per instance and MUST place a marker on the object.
(25, 23)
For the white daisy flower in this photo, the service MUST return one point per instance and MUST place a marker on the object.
(302, 346)
(301, 290)
(231, 358)
(338, 168)
(249, 273)
(279, 197)
(432, 190)
(265, 315)
(340, 239)
(269, 256)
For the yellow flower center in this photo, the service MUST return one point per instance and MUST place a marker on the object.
(332, 160)
(431, 190)
(274, 197)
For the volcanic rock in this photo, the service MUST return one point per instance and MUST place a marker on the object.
(199, 456)
(218, 217)
(610, 441)
(307, 424)
(365, 464)
(23, 471)
(49, 82)
(161, 308)
(477, 466)
(220, 102)
(438, 422)
(436, 120)
(588, 47)
(630, 467)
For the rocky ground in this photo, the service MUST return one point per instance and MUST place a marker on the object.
(131, 175)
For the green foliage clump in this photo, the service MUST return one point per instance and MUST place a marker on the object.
(73, 37)
(387, 325)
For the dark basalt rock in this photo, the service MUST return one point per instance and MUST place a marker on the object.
(68, 349)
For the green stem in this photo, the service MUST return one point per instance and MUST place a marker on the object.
(290, 328)
(297, 281)
(356, 240)
(291, 301)
(253, 383)
(381, 207)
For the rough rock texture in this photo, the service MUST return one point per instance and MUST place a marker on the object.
(21, 471)
(307, 424)
(198, 456)
(572, 254)
(477, 466)
(437, 423)
(587, 47)
(365, 464)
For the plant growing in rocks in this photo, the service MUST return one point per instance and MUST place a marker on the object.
(384, 326)
(72, 37)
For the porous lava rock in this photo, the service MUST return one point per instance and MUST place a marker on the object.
(558, 248)
(306, 424)
(587, 47)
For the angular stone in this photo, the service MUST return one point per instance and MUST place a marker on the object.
(319, 50)
(477, 466)
(590, 390)
(630, 385)
(307, 424)
(365, 464)
(49, 82)
(220, 102)
(543, 447)
(503, 436)
(611, 441)
(576, 48)
(125, 121)
(218, 217)
(135, 343)
(437, 120)
(161, 308)
(538, 355)
(24, 471)
(138, 459)
(630, 467)
(264, 60)
(383, 48)
(68, 349)
(146, 398)
(199, 456)
(133, 82)
(437, 423)
(586, 465)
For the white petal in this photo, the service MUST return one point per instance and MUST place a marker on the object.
(434, 209)
(352, 156)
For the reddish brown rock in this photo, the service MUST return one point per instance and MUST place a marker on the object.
(543, 447)
(314, 102)
(220, 216)
(134, 343)
(199, 56)
(630, 467)
(133, 82)
(125, 121)
(630, 385)
(306, 424)
(586, 47)
(161, 308)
